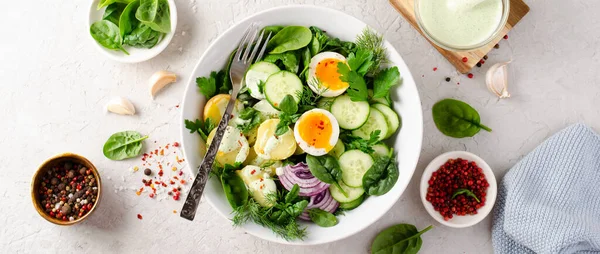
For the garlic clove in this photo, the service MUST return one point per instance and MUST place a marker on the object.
(121, 106)
(159, 80)
(496, 80)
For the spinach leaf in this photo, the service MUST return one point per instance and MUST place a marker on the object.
(142, 37)
(288, 59)
(293, 194)
(306, 57)
(203, 128)
(234, 188)
(327, 169)
(327, 43)
(289, 38)
(457, 119)
(288, 105)
(296, 209)
(398, 239)
(385, 80)
(465, 192)
(123, 145)
(272, 29)
(104, 3)
(107, 34)
(361, 61)
(358, 88)
(285, 120)
(322, 218)
(113, 12)
(127, 21)
(155, 14)
(382, 176)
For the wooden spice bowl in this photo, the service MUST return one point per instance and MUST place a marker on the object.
(44, 167)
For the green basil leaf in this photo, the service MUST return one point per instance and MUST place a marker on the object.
(113, 12)
(107, 34)
(384, 81)
(234, 187)
(382, 176)
(322, 218)
(127, 21)
(155, 14)
(288, 105)
(297, 208)
(289, 38)
(457, 119)
(123, 145)
(465, 192)
(401, 238)
(293, 194)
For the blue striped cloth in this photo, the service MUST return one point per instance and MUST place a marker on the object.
(550, 201)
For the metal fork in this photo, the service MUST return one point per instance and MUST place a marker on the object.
(244, 56)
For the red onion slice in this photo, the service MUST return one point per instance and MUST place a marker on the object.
(300, 174)
(323, 201)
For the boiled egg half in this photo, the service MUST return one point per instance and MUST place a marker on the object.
(323, 76)
(317, 132)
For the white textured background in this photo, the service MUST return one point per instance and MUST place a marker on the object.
(54, 85)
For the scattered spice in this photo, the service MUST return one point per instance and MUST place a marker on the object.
(478, 64)
(448, 79)
(434, 68)
(506, 37)
(470, 75)
(139, 216)
(465, 59)
(68, 191)
(485, 57)
(147, 171)
(497, 46)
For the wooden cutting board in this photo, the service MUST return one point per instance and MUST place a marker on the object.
(518, 9)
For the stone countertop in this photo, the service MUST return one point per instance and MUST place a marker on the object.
(55, 85)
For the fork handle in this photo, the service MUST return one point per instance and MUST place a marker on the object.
(193, 199)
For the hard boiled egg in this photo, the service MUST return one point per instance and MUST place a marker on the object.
(323, 76)
(317, 131)
(234, 146)
(260, 184)
(272, 147)
(215, 108)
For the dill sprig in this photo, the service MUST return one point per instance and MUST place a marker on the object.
(370, 40)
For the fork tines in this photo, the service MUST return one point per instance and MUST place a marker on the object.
(249, 43)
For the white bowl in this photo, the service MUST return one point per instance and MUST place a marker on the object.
(406, 102)
(467, 220)
(136, 55)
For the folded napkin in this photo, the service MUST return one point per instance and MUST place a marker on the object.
(550, 201)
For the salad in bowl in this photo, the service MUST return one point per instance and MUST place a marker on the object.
(309, 138)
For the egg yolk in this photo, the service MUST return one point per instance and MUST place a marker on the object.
(315, 129)
(327, 73)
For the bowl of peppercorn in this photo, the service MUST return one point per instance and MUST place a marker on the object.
(66, 189)
(458, 189)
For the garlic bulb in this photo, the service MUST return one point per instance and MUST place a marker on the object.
(121, 106)
(496, 80)
(159, 80)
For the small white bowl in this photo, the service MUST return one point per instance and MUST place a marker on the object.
(467, 220)
(136, 55)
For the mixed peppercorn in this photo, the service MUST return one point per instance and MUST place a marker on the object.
(68, 191)
(458, 187)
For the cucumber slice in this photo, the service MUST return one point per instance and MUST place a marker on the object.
(376, 121)
(391, 118)
(352, 204)
(280, 84)
(266, 109)
(338, 149)
(381, 149)
(354, 165)
(353, 193)
(350, 114)
(256, 74)
(325, 103)
(383, 101)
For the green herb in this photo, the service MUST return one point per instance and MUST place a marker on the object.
(465, 192)
(289, 38)
(203, 128)
(234, 187)
(293, 194)
(457, 119)
(217, 82)
(155, 14)
(326, 43)
(113, 12)
(322, 218)
(104, 3)
(123, 145)
(382, 176)
(285, 120)
(306, 57)
(107, 34)
(398, 239)
(361, 61)
(127, 21)
(288, 105)
(354, 142)
(371, 41)
(308, 99)
(252, 117)
(289, 60)
(327, 169)
(287, 229)
(358, 88)
(272, 29)
(384, 81)
(142, 37)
